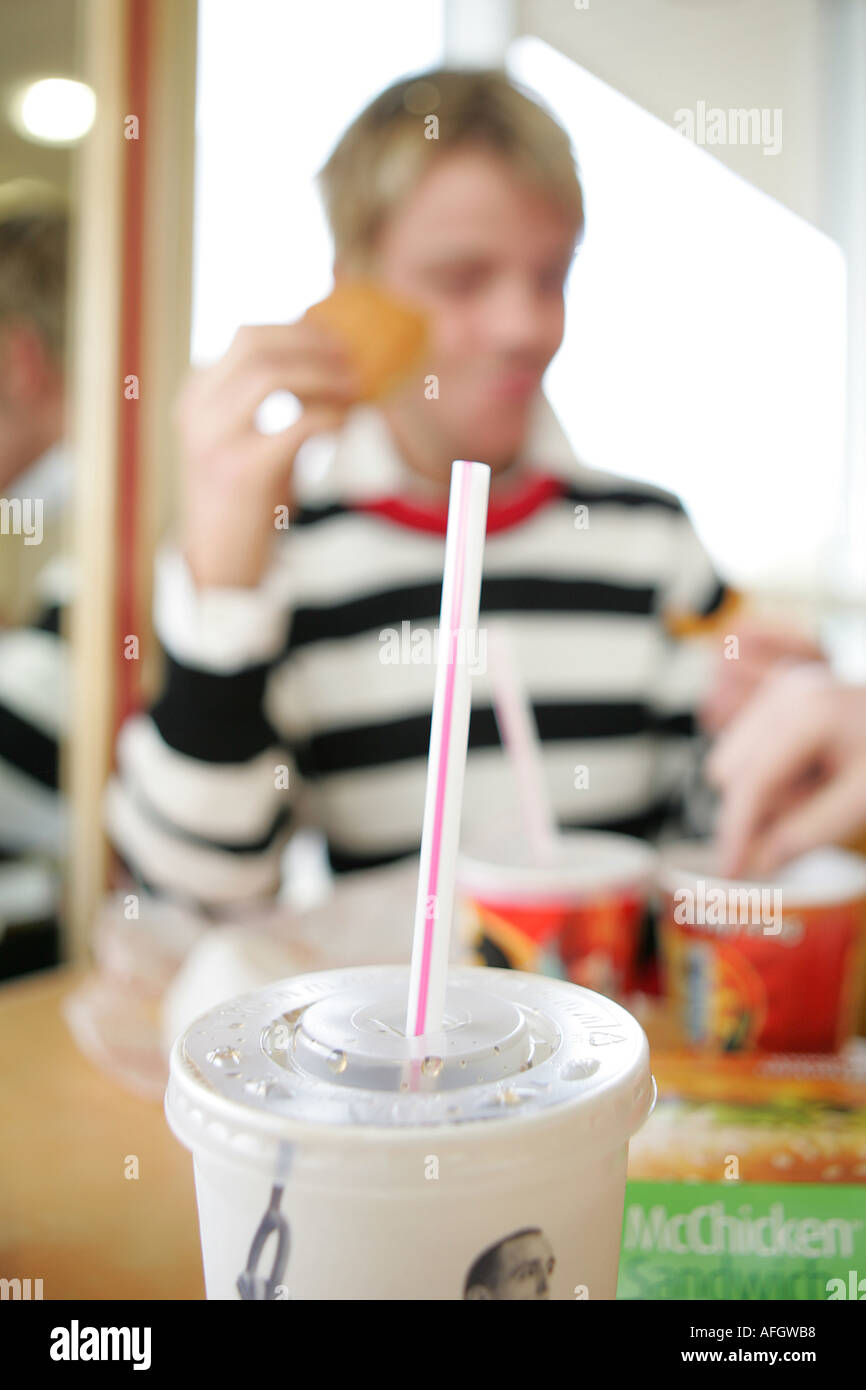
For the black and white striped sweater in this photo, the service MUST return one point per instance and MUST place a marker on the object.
(281, 710)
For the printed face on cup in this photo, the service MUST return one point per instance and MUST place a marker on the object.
(517, 1267)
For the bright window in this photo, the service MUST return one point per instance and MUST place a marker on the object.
(278, 82)
(705, 348)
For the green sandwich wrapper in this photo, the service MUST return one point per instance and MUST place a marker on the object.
(748, 1182)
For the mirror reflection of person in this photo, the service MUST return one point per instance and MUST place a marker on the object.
(518, 1266)
(34, 487)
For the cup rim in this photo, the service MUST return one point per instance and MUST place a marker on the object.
(630, 864)
(201, 1113)
(680, 866)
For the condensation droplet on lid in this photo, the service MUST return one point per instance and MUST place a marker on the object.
(463, 1061)
(224, 1057)
(497, 1049)
(259, 1085)
(337, 1062)
(579, 1070)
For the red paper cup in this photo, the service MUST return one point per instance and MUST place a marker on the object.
(775, 965)
(580, 917)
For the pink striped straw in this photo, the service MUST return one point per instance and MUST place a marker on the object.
(519, 733)
(461, 589)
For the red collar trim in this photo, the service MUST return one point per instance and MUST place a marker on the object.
(422, 516)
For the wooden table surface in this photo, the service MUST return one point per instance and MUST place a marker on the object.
(68, 1215)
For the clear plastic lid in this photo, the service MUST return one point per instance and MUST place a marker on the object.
(329, 1051)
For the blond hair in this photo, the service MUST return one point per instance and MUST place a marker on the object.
(388, 147)
(33, 259)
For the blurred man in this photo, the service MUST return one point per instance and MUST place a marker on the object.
(278, 710)
(34, 483)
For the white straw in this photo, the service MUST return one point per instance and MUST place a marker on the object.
(449, 732)
(519, 733)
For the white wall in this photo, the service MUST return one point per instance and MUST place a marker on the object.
(667, 55)
(808, 59)
(477, 32)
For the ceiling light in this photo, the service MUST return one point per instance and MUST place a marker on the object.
(54, 111)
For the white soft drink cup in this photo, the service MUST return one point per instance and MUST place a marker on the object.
(332, 1164)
